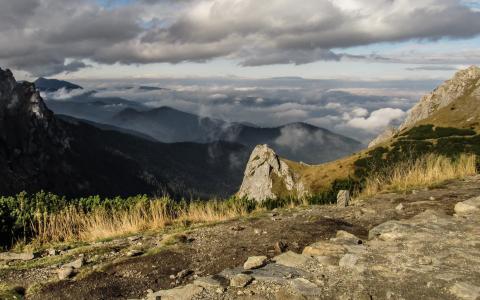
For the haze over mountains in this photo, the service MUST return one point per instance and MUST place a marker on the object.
(296, 141)
(38, 151)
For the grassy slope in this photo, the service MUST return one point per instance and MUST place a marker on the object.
(463, 113)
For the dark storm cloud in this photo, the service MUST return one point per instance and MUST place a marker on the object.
(42, 36)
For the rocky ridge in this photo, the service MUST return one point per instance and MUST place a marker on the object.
(268, 177)
(429, 256)
(465, 82)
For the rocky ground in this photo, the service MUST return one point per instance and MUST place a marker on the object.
(394, 246)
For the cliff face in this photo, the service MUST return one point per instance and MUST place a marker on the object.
(464, 83)
(30, 137)
(268, 177)
(39, 151)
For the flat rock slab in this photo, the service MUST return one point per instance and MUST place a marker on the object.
(291, 259)
(270, 273)
(240, 280)
(16, 256)
(324, 248)
(187, 292)
(469, 206)
(254, 262)
(211, 282)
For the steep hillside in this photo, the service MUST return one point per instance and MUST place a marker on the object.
(297, 141)
(445, 122)
(40, 151)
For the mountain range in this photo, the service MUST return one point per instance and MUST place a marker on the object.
(39, 150)
(297, 141)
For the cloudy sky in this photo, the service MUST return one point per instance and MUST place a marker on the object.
(364, 63)
(246, 38)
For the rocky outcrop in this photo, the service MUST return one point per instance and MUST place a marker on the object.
(268, 177)
(464, 83)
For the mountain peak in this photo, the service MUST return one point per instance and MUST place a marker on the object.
(463, 83)
(269, 177)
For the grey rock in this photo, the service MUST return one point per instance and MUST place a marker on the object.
(16, 256)
(240, 280)
(465, 291)
(464, 82)
(211, 282)
(343, 198)
(65, 272)
(254, 262)
(304, 287)
(76, 264)
(291, 259)
(187, 292)
(467, 207)
(348, 260)
(263, 167)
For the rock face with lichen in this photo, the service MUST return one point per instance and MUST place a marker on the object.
(464, 83)
(268, 177)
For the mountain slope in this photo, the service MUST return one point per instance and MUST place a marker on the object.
(52, 85)
(40, 151)
(445, 122)
(298, 141)
(462, 89)
(169, 125)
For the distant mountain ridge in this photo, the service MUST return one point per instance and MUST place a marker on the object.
(52, 85)
(297, 141)
(39, 151)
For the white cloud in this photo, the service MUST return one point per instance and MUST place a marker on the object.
(378, 119)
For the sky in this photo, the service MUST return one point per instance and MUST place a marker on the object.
(347, 39)
(352, 66)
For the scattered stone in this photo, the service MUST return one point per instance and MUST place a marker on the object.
(254, 262)
(348, 260)
(399, 207)
(134, 252)
(465, 291)
(343, 198)
(291, 259)
(324, 248)
(257, 231)
(76, 264)
(469, 206)
(241, 280)
(346, 238)
(280, 246)
(65, 272)
(237, 228)
(425, 261)
(187, 292)
(304, 287)
(432, 198)
(16, 256)
(182, 274)
(52, 252)
(134, 238)
(327, 260)
(211, 282)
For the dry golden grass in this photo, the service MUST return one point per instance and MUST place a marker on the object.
(427, 171)
(72, 224)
